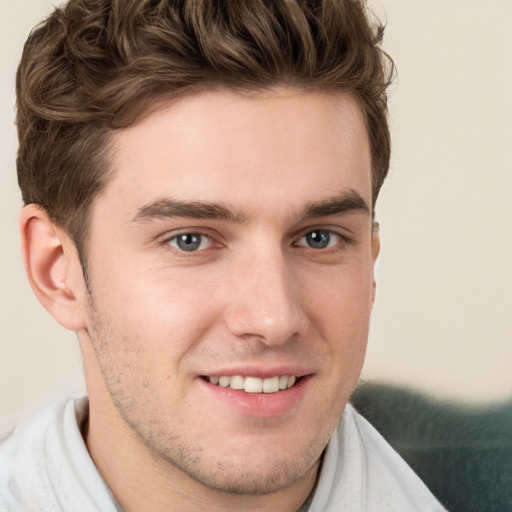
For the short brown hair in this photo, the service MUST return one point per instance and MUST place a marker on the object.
(97, 65)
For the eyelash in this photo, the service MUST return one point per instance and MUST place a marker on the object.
(342, 240)
(181, 252)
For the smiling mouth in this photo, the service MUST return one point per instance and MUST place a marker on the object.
(254, 384)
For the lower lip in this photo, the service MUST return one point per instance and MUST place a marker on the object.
(264, 405)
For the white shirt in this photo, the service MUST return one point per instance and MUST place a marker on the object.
(45, 467)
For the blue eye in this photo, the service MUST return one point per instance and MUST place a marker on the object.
(320, 239)
(190, 242)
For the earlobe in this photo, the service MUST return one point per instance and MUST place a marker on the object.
(51, 265)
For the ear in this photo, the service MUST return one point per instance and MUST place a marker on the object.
(53, 267)
(375, 253)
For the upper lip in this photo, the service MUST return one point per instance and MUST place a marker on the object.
(260, 371)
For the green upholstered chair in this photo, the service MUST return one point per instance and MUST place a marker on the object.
(462, 452)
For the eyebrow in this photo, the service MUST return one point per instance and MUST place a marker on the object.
(169, 208)
(342, 204)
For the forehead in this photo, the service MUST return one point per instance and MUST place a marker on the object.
(285, 146)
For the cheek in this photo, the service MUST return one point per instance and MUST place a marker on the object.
(160, 316)
(341, 308)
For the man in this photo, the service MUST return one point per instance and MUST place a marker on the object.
(200, 181)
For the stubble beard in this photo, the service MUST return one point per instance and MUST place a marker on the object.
(169, 449)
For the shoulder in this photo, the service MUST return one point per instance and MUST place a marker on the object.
(45, 465)
(25, 452)
(361, 471)
(384, 466)
(33, 432)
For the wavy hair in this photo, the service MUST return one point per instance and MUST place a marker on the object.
(94, 66)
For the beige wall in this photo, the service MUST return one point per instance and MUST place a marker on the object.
(443, 316)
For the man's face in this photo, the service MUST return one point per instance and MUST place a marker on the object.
(233, 245)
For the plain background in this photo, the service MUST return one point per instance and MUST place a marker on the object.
(443, 317)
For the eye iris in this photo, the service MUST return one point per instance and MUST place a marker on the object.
(318, 239)
(188, 242)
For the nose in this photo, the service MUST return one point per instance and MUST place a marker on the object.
(264, 300)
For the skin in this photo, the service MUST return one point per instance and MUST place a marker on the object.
(155, 319)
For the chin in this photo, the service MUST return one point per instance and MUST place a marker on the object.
(258, 468)
(243, 479)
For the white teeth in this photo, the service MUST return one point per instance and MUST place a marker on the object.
(224, 382)
(271, 385)
(236, 382)
(255, 384)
